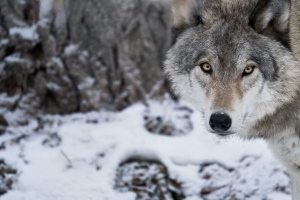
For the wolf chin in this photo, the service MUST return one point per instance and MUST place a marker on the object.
(233, 61)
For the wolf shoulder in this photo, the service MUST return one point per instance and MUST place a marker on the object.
(295, 27)
(286, 147)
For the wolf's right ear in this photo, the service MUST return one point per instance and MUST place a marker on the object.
(183, 16)
(181, 12)
(271, 18)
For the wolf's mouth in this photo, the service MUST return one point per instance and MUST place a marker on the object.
(222, 134)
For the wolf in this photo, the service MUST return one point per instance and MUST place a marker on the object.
(233, 60)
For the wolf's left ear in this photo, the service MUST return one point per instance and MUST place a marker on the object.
(271, 18)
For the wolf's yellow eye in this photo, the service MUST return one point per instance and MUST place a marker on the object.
(206, 68)
(248, 70)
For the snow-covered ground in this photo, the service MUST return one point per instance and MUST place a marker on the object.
(77, 157)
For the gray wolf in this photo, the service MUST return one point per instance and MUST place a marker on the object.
(233, 60)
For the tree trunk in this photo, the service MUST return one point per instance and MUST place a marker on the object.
(75, 56)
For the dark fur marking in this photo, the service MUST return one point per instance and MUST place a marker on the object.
(190, 80)
(274, 75)
(282, 37)
(268, 67)
(193, 62)
(176, 31)
(201, 55)
(259, 8)
(198, 20)
(297, 130)
(262, 87)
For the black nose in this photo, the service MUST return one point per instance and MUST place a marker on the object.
(220, 121)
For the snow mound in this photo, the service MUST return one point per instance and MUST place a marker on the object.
(82, 156)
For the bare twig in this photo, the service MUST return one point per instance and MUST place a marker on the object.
(67, 158)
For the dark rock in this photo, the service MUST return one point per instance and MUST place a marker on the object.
(148, 179)
(3, 124)
(8, 176)
(3, 121)
(53, 140)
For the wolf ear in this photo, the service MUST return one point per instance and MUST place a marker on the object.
(181, 12)
(183, 16)
(271, 18)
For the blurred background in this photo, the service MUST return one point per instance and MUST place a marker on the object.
(87, 113)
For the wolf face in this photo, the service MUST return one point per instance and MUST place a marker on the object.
(232, 60)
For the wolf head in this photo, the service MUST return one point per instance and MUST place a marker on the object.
(231, 59)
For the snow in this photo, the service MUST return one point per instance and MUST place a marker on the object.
(17, 59)
(86, 83)
(28, 33)
(6, 100)
(53, 86)
(71, 168)
(4, 42)
(72, 48)
(13, 59)
(45, 7)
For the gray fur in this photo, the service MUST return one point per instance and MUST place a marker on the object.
(230, 34)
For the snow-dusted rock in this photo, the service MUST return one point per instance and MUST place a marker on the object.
(148, 180)
(168, 117)
(8, 175)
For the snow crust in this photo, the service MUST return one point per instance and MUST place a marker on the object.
(45, 7)
(72, 48)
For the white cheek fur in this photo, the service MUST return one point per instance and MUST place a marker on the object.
(187, 87)
(198, 95)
